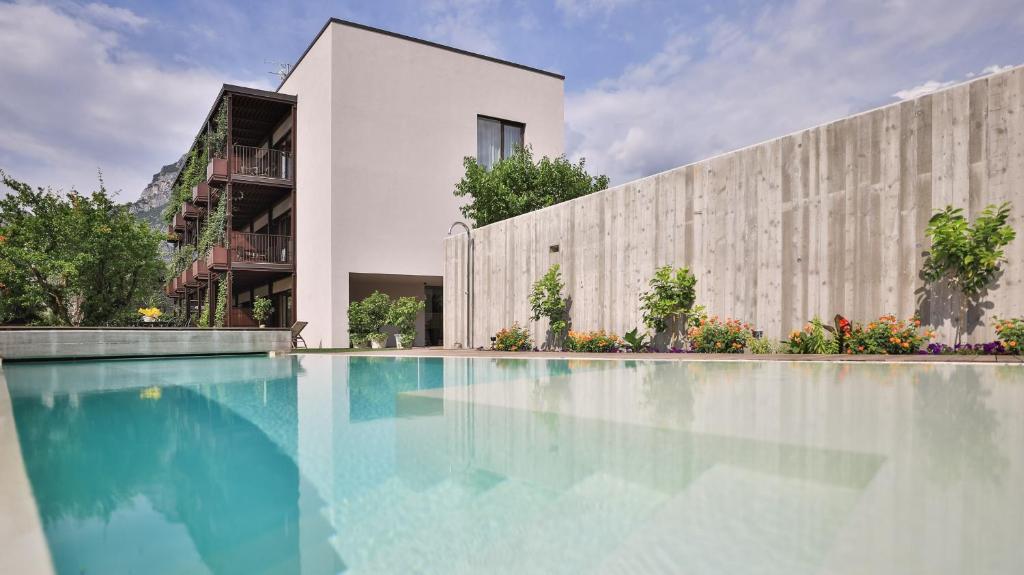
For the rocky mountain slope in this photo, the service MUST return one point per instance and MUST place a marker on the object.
(155, 195)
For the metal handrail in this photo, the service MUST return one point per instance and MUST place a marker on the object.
(261, 162)
(261, 248)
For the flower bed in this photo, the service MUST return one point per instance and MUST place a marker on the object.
(711, 335)
(513, 338)
(887, 336)
(593, 341)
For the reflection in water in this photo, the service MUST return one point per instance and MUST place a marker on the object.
(959, 430)
(323, 464)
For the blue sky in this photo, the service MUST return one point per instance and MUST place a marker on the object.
(123, 86)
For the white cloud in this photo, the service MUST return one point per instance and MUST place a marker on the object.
(463, 24)
(922, 89)
(105, 15)
(581, 9)
(994, 69)
(75, 101)
(745, 79)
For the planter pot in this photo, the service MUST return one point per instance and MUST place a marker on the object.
(402, 342)
(148, 319)
(378, 341)
(674, 336)
(262, 326)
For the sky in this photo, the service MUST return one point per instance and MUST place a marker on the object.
(122, 87)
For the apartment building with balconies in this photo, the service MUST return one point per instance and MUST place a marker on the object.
(340, 182)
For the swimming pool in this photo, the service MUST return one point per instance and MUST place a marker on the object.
(325, 464)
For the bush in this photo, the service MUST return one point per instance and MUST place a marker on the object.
(402, 314)
(637, 342)
(1011, 333)
(261, 309)
(513, 338)
(762, 346)
(593, 341)
(813, 338)
(887, 336)
(546, 300)
(672, 295)
(377, 306)
(713, 336)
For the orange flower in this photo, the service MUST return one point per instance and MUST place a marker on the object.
(1012, 343)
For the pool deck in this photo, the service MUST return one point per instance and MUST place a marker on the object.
(24, 548)
(439, 352)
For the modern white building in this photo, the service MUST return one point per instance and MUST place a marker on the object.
(373, 127)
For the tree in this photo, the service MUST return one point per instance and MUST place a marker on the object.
(515, 186)
(967, 256)
(73, 259)
(546, 300)
(667, 304)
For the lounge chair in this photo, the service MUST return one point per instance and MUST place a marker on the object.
(297, 328)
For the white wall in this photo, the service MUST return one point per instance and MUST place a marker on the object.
(396, 118)
(313, 183)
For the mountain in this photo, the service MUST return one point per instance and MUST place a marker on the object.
(155, 195)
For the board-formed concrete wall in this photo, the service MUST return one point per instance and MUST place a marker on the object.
(827, 220)
(58, 343)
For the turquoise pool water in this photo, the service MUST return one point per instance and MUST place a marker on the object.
(320, 464)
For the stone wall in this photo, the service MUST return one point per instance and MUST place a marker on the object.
(823, 221)
(56, 343)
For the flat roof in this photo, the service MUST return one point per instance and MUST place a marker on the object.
(416, 40)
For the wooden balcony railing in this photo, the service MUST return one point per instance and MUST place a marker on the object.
(261, 248)
(261, 162)
(241, 317)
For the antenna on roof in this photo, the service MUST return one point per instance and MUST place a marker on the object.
(282, 69)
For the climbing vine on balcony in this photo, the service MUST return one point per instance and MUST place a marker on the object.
(213, 233)
(222, 302)
(192, 174)
(217, 139)
(181, 259)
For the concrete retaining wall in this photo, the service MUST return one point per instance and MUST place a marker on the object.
(824, 221)
(54, 343)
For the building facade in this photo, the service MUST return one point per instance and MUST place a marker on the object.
(340, 182)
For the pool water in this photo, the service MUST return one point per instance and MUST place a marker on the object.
(330, 464)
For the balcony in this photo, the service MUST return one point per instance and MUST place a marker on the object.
(190, 278)
(217, 259)
(172, 236)
(241, 317)
(179, 222)
(217, 170)
(201, 194)
(261, 163)
(200, 271)
(189, 211)
(272, 250)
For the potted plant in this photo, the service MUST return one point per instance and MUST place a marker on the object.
(376, 307)
(402, 315)
(150, 314)
(261, 310)
(358, 325)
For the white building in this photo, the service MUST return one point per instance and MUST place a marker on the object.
(381, 123)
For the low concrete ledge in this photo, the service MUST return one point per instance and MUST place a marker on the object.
(60, 343)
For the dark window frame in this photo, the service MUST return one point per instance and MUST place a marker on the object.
(501, 132)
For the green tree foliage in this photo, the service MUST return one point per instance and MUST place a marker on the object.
(213, 233)
(516, 185)
(671, 297)
(262, 307)
(547, 300)
(403, 314)
(968, 257)
(221, 308)
(73, 259)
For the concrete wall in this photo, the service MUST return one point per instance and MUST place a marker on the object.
(54, 343)
(389, 121)
(824, 221)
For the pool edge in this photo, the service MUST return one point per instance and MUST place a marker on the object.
(24, 548)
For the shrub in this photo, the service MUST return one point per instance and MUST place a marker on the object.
(762, 346)
(713, 336)
(637, 342)
(402, 314)
(513, 338)
(967, 256)
(813, 338)
(593, 341)
(671, 296)
(261, 309)
(1011, 333)
(888, 336)
(377, 306)
(546, 300)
